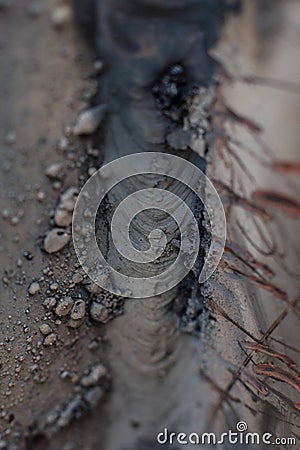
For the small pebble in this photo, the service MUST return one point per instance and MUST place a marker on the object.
(93, 396)
(64, 375)
(19, 263)
(93, 288)
(77, 278)
(45, 329)
(78, 310)
(63, 218)
(10, 137)
(28, 255)
(40, 196)
(54, 286)
(49, 340)
(61, 16)
(94, 376)
(15, 220)
(89, 120)
(55, 171)
(91, 171)
(99, 312)
(56, 185)
(49, 302)
(5, 213)
(63, 144)
(56, 239)
(63, 214)
(51, 417)
(64, 306)
(3, 444)
(94, 152)
(34, 288)
(98, 66)
(73, 409)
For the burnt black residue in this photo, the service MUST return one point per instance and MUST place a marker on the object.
(171, 90)
(141, 39)
(38, 441)
(156, 56)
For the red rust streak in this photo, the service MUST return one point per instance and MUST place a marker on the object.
(271, 371)
(267, 350)
(278, 201)
(289, 168)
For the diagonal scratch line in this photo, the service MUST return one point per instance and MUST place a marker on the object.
(220, 311)
(275, 83)
(235, 377)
